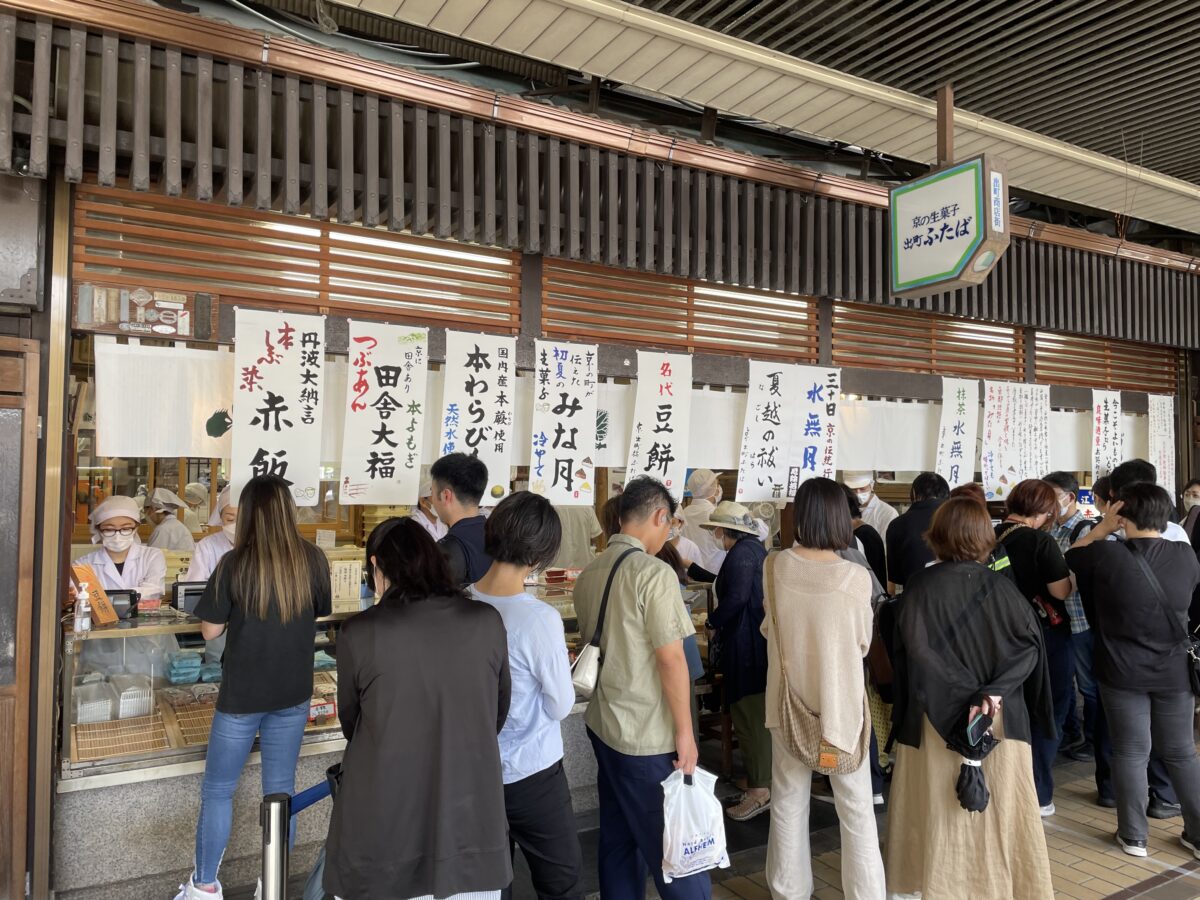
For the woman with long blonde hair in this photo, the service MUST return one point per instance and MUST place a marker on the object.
(265, 594)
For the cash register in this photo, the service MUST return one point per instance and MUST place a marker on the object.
(186, 594)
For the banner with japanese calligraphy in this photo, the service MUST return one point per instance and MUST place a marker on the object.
(278, 400)
(1107, 447)
(478, 399)
(772, 408)
(1162, 439)
(562, 462)
(815, 428)
(1016, 435)
(384, 413)
(958, 431)
(658, 438)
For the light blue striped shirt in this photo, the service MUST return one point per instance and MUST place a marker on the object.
(542, 693)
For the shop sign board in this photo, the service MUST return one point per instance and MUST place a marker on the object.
(1107, 449)
(384, 413)
(958, 431)
(949, 228)
(478, 412)
(1162, 439)
(1016, 435)
(562, 462)
(278, 400)
(658, 441)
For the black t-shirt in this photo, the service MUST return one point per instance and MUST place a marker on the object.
(907, 552)
(873, 550)
(1138, 647)
(268, 665)
(1036, 560)
(463, 548)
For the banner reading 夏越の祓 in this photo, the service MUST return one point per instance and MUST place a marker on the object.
(658, 443)
(479, 393)
(278, 400)
(769, 431)
(384, 413)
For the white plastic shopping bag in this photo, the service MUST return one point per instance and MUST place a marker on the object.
(693, 825)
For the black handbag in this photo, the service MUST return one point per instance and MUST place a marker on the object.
(1189, 641)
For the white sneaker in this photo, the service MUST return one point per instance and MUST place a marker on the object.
(258, 890)
(1047, 810)
(189, 891)
(878, 799)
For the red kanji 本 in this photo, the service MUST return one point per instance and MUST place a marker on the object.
(250, 378)
(271, 358)
(285, 336)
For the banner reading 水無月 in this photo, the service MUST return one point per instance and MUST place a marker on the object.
(384, 413)
(658, 443)
(958, 431)
(478, 398)
(562, 462)
(278, 400)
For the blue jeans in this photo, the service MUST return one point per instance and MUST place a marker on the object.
(631, 827)
(1083, 646)
(229, 745)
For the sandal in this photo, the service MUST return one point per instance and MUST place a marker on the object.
(749, 808)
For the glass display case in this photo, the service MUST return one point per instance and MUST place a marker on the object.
(138, 694)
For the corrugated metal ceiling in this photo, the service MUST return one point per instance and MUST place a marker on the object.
(677, 58)
(1115, 76)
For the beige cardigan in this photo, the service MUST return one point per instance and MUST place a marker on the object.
(824, 614)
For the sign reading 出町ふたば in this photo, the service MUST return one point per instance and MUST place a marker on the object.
(948, 228)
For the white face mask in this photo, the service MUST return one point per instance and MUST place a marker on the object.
(864, 497)
(230, 529)
(720, 494)
(1190, 503)
(673, 533)
(117, 543)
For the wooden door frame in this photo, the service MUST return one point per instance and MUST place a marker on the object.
(23, 396)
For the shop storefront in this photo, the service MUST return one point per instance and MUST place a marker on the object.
(379, 196)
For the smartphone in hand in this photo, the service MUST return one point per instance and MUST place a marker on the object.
(977, 728)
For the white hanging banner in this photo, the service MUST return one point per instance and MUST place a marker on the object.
(1107, 448)
(958, 431)
(658, 443)
(384, 413)
(772, 407)
(162, 401)
(1162, 439)
(1016, 435)
(562, 464)
(478, 404)
(815, 428)
(278, 400)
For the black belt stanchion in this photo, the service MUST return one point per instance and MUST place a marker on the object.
(276, 819)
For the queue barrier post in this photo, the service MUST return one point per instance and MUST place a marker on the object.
(276, 820)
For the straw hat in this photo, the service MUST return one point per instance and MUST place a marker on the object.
(730, 516)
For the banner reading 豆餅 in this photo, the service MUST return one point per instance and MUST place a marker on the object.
(478, 404)
(658, 442)
(278, 400)
(384, 413)
(562, 462)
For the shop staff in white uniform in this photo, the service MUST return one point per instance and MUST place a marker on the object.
(425, 515)
(875, 512)
(208, 553)
(169, 533)
(124, 563)
(196, 496)
(706, 494)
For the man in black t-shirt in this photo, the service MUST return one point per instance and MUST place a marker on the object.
(459, 481)
(907, 552)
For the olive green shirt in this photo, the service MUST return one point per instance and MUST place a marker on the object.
(628, 710)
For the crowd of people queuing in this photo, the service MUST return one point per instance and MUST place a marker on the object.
(983, 638)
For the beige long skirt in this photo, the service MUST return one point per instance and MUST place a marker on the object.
(939, 850)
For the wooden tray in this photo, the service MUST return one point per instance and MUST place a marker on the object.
(122, 737)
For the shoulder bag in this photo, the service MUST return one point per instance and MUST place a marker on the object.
(1189, 641)
(585, 672)
(800, 727)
